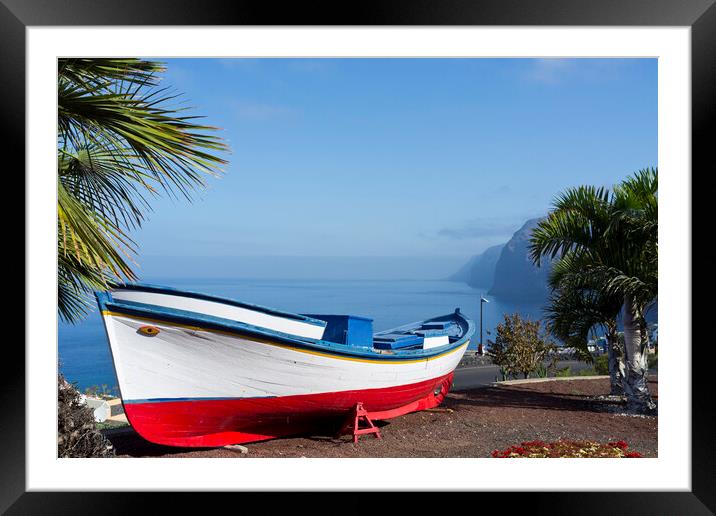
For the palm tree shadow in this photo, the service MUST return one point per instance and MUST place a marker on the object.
(515, 397)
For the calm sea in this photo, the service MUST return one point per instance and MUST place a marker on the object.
(84, 353)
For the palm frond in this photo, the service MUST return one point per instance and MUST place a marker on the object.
(604, 238)
(76, 282)
(91, 73)
(120, 141)
(577, 223)
(576, 308)
(90, 239)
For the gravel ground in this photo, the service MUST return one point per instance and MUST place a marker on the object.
(468, 424)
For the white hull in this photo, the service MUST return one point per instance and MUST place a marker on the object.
(185, 363)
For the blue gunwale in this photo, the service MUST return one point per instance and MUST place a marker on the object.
(265, 335)
(170, 400)
(157, 289)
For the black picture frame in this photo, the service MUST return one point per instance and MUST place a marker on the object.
(17, 15)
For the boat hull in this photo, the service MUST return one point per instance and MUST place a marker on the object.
(210, 423)
(187, 385)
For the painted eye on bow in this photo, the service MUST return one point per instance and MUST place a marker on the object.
(150, 331)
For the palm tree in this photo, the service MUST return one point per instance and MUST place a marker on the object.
(634, 273)
(575, 309)
(611, 241)
(120, 140)
(576, 230)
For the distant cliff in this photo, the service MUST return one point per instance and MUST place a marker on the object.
(509, 273)
(479, 271)
(507, 270)
(516, 277)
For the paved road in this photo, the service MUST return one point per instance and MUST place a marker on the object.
(472, 377)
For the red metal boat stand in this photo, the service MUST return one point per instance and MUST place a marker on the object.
(352, 424)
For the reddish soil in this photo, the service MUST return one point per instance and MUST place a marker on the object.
(467, 424)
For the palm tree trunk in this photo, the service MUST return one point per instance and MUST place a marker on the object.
(644, 337)
(615, 360)
(635, 384)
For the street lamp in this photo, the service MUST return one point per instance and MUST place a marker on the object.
(479, 346)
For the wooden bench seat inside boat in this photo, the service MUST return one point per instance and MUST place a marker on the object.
(397, 341)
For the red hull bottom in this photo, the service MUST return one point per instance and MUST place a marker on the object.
(212, 423)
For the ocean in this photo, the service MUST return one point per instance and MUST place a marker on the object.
(84, 353)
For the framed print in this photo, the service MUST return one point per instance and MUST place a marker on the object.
(360, 136)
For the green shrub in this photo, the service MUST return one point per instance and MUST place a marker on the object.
(564, 372)
(652, 360)
(520, 347)
(589, 371)
(601, 364)
(541, 371)
(503, 374)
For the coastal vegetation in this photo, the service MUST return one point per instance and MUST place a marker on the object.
(567, 372)
(606, 244)
(77, 434)
(521, 348)
(122, 140)
(101, 391)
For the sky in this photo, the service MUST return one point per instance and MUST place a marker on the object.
(423, 162)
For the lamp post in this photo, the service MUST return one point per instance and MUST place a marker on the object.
(479, 346)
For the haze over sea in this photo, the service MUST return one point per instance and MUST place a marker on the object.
(84, 351)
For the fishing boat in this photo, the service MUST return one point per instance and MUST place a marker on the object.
(204, 371)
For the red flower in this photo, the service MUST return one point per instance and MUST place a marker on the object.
(567, 448)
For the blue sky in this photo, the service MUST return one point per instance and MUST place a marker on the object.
(423, 158)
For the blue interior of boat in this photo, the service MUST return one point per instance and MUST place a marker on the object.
(357, 331)
(397, 341)
(436, 325)
(430, 333)
(351, 330)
